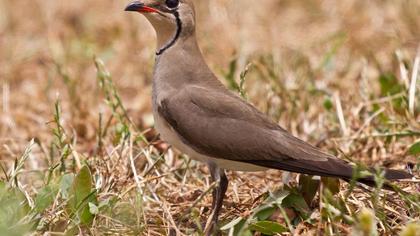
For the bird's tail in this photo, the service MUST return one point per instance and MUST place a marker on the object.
(332, 168)
(390, 175)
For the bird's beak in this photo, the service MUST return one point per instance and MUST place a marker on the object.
(139, 7)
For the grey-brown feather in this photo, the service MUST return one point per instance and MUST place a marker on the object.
(222, 125)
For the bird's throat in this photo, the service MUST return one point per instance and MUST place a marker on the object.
(168, 42)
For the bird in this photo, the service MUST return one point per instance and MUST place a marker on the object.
(195, 113)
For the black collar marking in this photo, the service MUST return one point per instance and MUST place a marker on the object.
(178, 33)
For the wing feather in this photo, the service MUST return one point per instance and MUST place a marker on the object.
(229, 128)
(221, 125)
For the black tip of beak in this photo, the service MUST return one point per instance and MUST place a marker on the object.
(134, 6)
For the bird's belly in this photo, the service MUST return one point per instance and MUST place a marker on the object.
(170, 136)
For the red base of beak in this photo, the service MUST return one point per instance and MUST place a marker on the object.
(139, 7)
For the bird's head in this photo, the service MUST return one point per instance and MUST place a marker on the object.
(171, 19)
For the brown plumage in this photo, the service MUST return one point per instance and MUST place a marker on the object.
(221, 125)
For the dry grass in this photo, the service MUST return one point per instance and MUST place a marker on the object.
(338, 74)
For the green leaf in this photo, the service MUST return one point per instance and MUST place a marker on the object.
(278, 196)
(3, 188)
(328, 104)
(230, 75)
(297, 202)
(231, 224)
(15, 212)
(332, 184)
(245, 232)
(45, 198)
(268, 227)
(80, 194)
(308, 187)
(414, 149)
(265, 212)
(65, 184)
(389, 84)
(241, 229)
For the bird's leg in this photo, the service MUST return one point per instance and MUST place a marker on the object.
(217, 175)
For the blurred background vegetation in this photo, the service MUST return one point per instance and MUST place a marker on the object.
(78, 153)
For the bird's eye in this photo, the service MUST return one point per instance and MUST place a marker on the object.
(172, 3)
